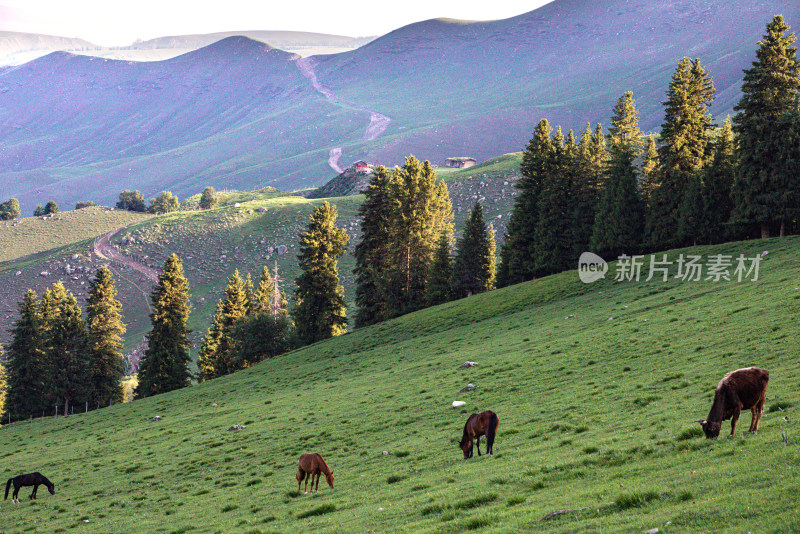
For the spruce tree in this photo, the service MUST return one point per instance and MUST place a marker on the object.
(620, 217)
(502, 278)
(717, 188)
(769, 92)
(165, 364)
(423, 212)
(104, 330)
(249, 294)
(650, 170)
(319, 298)
(682, 155)
(27, 369)
(474, 263)
(374, 252)
(209, 345)
(553, 235)
(589, 170)
(208, 198)
(233, 307)
(439, 290)
(72, 377)
(518, 252)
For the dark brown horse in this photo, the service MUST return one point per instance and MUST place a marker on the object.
(30, 479)
(310, 465)
(479, 424)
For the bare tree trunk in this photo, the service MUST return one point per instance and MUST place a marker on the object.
(764, 231)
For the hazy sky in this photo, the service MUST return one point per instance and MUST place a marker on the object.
(114, 22)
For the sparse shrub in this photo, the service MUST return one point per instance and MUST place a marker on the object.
(433, 509)
(779, 406)
(515, 500)
(690, 433)
(685, 495)
(479, 521)
(475, 502)
(394, 478)
(319, 510)
(229, 507)
(636, 499)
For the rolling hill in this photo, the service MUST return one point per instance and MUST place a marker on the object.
(262, 229)
(17, 48)
(239, 115)
(596, 387)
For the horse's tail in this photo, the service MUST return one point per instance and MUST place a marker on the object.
(8, 485)
(492, 430)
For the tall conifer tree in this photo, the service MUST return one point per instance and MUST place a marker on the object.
(518, 254)
(474, 264)
(72, 378)
(620, 217)
(439, 290)
(718, 187)
(683, 155)
(769, 91)
(27, 370)
(319, 298)
(165, 365)
(104, 329)
(553, 235)
(374, 252)
(221, 361)
(423, 212)
(650, 170)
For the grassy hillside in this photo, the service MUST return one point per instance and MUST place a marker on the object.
(22, 237)
(211, 243)
(596, 387)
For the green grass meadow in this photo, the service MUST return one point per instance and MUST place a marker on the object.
(596, 386)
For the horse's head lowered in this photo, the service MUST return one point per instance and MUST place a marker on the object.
(329, 478)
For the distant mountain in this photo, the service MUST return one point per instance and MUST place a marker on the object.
(240, 114)
(232, 115)
(18, 48)
(478, 88)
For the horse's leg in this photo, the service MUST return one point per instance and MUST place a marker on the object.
(15, 496)
(33, 493)
(318, 475)
(308, 475)
(735, 417)
(478, 443)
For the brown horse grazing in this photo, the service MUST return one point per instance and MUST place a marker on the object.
(482, 424)
(310, 465)
(742, 389)
(31, 479)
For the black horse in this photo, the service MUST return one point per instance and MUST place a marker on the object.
(31, 479)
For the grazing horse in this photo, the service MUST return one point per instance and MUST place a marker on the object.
(482, 424)
(742, 389)
(310, 465)
(31, 479)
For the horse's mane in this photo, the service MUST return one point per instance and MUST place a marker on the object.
(324, 467)
(465, 436)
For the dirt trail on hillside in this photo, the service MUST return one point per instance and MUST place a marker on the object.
(378, 122)
(104, 250)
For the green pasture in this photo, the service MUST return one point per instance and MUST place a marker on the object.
(596, 386)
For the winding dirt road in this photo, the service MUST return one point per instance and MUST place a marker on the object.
(378, 122)
(104, 250)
